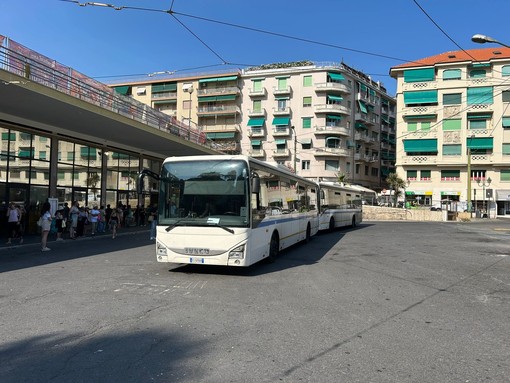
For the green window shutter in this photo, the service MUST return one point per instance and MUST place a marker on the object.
(477, 73)
(307, 122)
(42, 155)
(506, 122)
(307, 101)
(452, 74)
(452, 99)
(255, 144)
(418, 75)
(362, 107)
(453, 124)
(506, 148)
(425, 174)
(257, 85)
(477, 124)
(480, 142)
(412, 174)
(8, 136)
(335, 76)
(452, 150)
(450, 173)
(425, 126)
(412, 126)
(282, 83)
(421, 97)
(506, 96)
(505, 175)
(307, 81)
(164, 87)
(505, 70)
(257, 105)
(61, 175)
(421, 146)
(481, 95)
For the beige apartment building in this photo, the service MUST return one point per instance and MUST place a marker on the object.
(453, 129)
(321, 120)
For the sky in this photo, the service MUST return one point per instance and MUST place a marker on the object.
(209, 36)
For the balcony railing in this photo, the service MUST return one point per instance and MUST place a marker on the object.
(256, 132)
(257, 153)
(282, 91)
(257, 92)
(257, 113)
(333, 152)
(332, 108)
(164, 95)
(281, 111)
(218, 91)
(332, 86)
(281, 131)
(34, 67)
(340, 130)
(218, 109)
(281, 152)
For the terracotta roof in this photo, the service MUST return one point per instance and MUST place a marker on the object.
(473, 55)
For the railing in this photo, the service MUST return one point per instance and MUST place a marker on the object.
(36, 68)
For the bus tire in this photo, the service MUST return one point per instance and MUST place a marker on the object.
(331, 224)
(274, 247)
(308, 233)
(353, 224)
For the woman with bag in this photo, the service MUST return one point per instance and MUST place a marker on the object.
(59, 224)
(45, 225)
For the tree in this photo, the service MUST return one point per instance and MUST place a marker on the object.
(92, 181)
(396, 184)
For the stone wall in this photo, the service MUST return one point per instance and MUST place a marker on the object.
(379, 213)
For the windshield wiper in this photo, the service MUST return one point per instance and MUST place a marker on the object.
(231, 231)
(174, 225)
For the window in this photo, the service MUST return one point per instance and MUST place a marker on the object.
(452, 99)
(453, 124)
(306, 143)
(257, 105)
(307, 122)
(477, 124)
(8, 136)
(412, 175)
(42, 155)
(505, 175)
(506, 122)
(477, 73)
(424, 97)
(425, 175)
(282, 84)
(307, 101)
(452, 150)
(419, 75)
(505, 70)
(307, 81)
(480, 95)
(282, 104)
(366, 170)
(506, 149)
(257, 85)
(333, 142)
(61, 175)
(331, 165)
(506, 96)
(358, 167)
(412, 126)
(305, 165)
(375, 172)
(451, 74)
(450, 175)
(70, 156)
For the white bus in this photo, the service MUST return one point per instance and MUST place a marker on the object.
(230, 210)
(340, 206)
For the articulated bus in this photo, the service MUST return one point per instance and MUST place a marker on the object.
(230, 210)
(340, 206)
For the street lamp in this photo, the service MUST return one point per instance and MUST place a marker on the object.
(482, 182)
(482, 39)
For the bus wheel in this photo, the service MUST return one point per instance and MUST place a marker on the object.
(353, 224)
(308, 234)
(331, 224)
(274, 247)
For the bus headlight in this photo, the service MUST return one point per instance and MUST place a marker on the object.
(160, 249)
(237, 253)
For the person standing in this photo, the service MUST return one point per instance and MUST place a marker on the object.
(114, 222)
(107, 215)
(74, 212)
(94, 217)
(45, 225)
(59, 220)
(153, 218)
(13, 222)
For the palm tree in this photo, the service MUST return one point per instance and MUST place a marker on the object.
(92, 181)
(396, 184)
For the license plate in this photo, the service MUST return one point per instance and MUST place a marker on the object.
(196, 260)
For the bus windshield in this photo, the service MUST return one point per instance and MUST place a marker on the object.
(204, 193)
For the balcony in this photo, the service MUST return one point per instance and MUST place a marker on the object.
(366, 118)
(332, 108)
(257, 113)
(256, 132)
(333, 152)
(281, 131)
(211, 91)
(281, 152)
(423, 85)
(419, 110)
(257, 153)
(281, 111)
(362, 97)
(332, 86)
(282, 91)
(410, 160)
(364, 158)
(164, 95)
(328, 130)
(217, 110)
(257, 92)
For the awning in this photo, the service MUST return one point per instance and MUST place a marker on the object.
(159, 102)
(305, 141)
(220, 135)
(421, 97)
(125, 89)
(332, 139)
(256, 121)
(359, 125)
(281, 120)
(418, 75)
(281, 142)
(335, 76)
(506, 122)
(218, 79)
(335, 98)
(256, 142)
(503, 195)
(479, 116)
(480, 142)
(420, 146)
(421, 117)
(481, 65)
(164, 87)
(228, 97)
(362, 106)
(332, 117)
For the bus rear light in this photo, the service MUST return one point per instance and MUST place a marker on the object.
(237, 253)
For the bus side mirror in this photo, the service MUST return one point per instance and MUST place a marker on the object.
(255, 184)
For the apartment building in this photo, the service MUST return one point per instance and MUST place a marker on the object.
(322, 120)
(453, 129)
